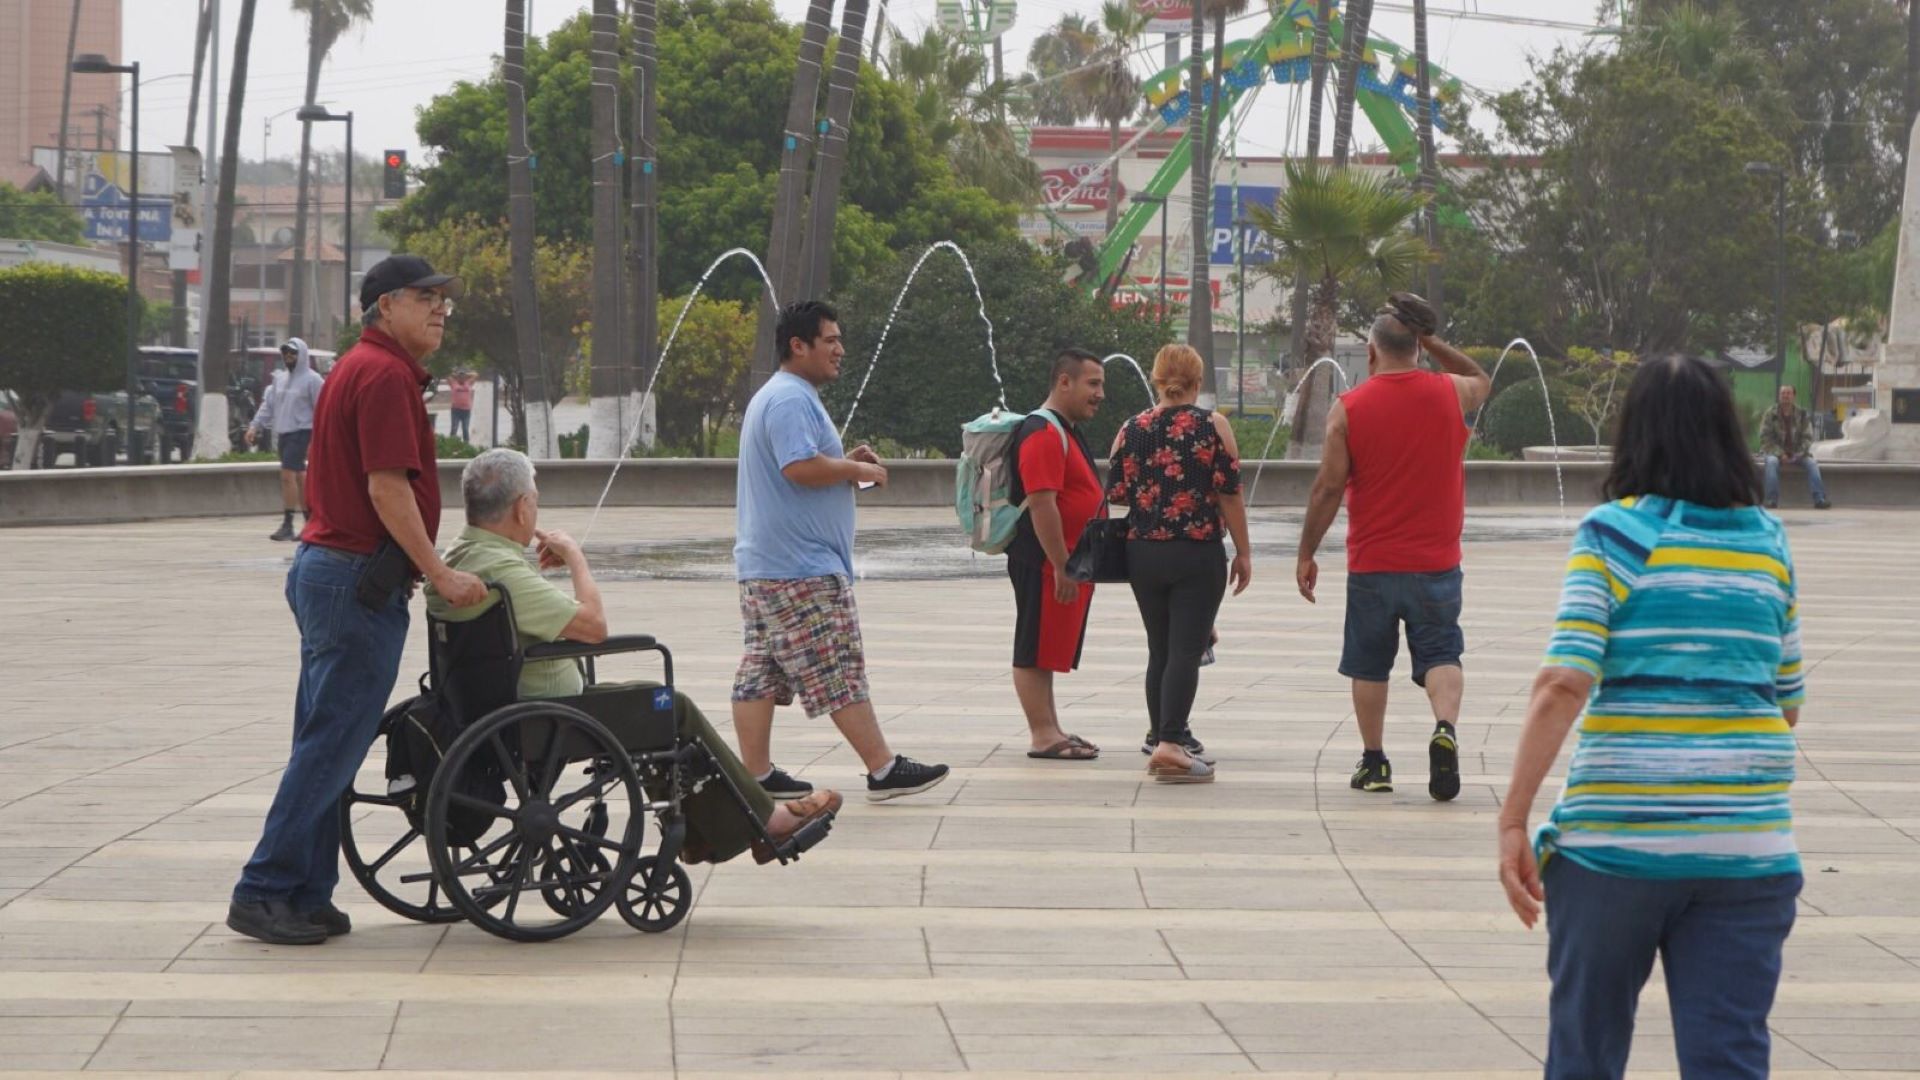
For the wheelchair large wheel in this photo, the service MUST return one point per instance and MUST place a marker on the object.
(536, 798)
(394, 869)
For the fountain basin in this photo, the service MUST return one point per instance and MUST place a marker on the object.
(1567, 453)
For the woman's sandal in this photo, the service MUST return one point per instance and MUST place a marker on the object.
(1195, 772)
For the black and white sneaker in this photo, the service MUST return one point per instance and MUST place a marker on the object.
(783, 788)
(1190, 744)
(907, 777)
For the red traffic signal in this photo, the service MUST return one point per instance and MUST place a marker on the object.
(395, 160)
(394, 180)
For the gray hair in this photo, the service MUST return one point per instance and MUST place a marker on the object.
(493, 482)
(370, 316)
(1394, 338)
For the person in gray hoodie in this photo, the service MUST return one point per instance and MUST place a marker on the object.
(286, 409)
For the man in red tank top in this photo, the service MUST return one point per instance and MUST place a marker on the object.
(1394, 448)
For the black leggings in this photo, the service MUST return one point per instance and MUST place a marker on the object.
(1178, 585)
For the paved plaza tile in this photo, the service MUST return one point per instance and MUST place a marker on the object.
(1026, 919)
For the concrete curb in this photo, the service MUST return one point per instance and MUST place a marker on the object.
(99, 496)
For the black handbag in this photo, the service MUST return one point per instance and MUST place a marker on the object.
(1101, 554)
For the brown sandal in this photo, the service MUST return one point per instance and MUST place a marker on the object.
(816, 804)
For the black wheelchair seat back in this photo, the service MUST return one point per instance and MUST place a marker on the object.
(473, 666)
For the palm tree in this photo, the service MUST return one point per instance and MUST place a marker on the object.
(214, 331)
(1429, 170)
(1055, 60)
(609, 383)
(326, 21)
(830, 162)
(1200, 202)
(1200, 316)
(1322, 28)
(1353, 50)
(200, 39)
(965, 120)
(534, 413)
(643, 185)
(785, 237)
(1339, 230)
(1106, 84)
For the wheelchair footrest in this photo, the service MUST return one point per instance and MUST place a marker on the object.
(805, 837)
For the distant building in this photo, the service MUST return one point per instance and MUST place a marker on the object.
(33, 60)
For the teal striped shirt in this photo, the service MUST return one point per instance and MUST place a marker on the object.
(1686, 617)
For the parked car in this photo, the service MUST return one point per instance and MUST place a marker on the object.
(88, 426)
(171, 377)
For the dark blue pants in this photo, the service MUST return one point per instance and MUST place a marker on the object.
(1718, 939)
(349, 657)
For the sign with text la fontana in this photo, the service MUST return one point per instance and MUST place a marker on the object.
(1076, 187)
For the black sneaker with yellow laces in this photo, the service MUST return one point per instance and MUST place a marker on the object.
(1374, 773)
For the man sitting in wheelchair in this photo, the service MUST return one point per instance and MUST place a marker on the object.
(502, 508)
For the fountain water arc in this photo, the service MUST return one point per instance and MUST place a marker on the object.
(1137, 370)
(640, 410)
(1546, 401)
(1339, 373)
(980, 304)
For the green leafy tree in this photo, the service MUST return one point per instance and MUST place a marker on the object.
(964, 113)
(1517, 419)
(934, 373)
(1338, 229)
(482, 332)
(1631, 210)
(38, 215)
(725, 72)
(1595, 385)
(66, 330)
(706, 373)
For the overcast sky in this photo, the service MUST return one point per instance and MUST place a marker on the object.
(387, 70)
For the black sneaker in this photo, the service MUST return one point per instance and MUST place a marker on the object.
(782, 788)
(274, 922)
(284, 532)
(907, 777)
(332, 920)
(1373, 775)
(1822, 504)
(1443, 764)
(1190, 744)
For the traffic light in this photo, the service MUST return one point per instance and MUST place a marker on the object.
(395, 185)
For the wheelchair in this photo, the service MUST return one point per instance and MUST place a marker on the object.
(526, 818)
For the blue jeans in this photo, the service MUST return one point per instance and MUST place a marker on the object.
(1377, 605)
(349, 657)
(460, 424)
(1719, 940)
(1818, 489)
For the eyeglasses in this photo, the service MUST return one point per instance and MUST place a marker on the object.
(436, 302)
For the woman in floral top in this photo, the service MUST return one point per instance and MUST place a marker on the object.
(1177, 471)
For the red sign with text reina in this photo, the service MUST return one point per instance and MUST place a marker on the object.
(1072, 187)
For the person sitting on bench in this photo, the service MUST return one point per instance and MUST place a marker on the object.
(502, 508)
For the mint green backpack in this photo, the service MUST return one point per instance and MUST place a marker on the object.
(982, 480)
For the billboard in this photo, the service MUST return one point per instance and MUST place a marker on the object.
(1167, 16)
(100, 183)
(1257, 251)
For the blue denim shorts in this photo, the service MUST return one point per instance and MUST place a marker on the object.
(1377, 605)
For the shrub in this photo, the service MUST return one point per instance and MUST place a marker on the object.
(1517, 419)
(574, 445)
(446, 446)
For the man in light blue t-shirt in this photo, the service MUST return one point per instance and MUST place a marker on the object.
(793, 556)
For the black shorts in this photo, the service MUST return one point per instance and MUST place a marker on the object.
(293, 449)
(1047, 634)
(1429, 605)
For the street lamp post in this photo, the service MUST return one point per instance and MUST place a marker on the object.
(1761, 168)
(96, 64)
(310, 114)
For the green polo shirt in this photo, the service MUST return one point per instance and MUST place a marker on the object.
(540, 608)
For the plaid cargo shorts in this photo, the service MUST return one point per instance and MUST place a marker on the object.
(802, 637)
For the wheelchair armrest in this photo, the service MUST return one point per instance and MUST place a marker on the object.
(573, 650)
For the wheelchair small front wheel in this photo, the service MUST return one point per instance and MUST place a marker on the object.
(653, 911)
(508, 792)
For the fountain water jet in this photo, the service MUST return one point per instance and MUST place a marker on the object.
(1546, 400)
(1339, 373)
(1144, 381)
(640, 410)
(980, 302)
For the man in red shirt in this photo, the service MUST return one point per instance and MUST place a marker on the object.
(1394, 450)
(375, 501)
(1056, 477)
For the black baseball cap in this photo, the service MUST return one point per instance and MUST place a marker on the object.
(404, 272)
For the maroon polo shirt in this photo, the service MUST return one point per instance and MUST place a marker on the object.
(370, 416)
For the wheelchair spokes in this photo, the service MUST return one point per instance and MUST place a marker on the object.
(558, 848)
(399, 878)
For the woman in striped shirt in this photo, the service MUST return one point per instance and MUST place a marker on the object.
(1679, 634)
